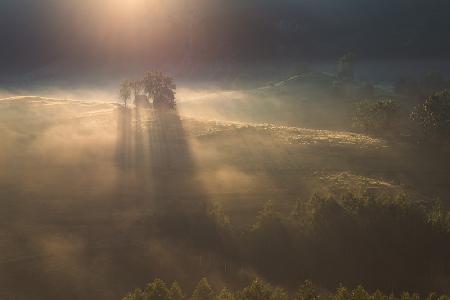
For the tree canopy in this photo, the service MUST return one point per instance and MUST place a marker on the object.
(155, 85)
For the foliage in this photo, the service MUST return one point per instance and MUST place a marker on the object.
(307, 292)
(266, 215)
(137, 86)
(375, 116)
(351, 239)
(203, 291)
(175, 292)
(135, 295)
(260, 290)
(225, 294)
(156, 290)
(433, 116)
(125, 91)
(257, 290)
(279, 294)
(161, 88)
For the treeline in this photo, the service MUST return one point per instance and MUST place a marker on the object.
(427, 121)
(261, 290)
(387, 243)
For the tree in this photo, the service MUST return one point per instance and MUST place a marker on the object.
(433, 116)
(225, 294)
(175, 292)
(125, 91)
(279, 294)
(341, 293)
(137, 86)
(375, 116)
(359, 293)
(257, 290)
(135, 295)
(160, 88)
(156, 290)
(203, 291)
(307, 292)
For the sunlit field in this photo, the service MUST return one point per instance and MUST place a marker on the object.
(97, 199)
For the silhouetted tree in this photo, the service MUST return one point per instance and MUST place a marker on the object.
(175, 292)
(225, 294)
(375, 116)
(307, 292)
(160, 88)
(137, 86)
(433, 117)
(257, 290)
(203, 291)
(156, 290)
(260, 290)
(125, 91)
(279, 294)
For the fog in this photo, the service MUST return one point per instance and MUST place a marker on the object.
(276, 141)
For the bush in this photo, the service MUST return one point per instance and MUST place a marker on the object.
(432, 117)
(375, 116)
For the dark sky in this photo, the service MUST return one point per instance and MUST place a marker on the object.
(35, 33)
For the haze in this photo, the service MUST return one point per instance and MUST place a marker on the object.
(232, 149)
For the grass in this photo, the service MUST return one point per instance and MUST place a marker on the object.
(80, 182)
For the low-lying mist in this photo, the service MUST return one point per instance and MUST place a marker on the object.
(98, 199)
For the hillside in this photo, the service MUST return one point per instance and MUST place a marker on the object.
(83, 182)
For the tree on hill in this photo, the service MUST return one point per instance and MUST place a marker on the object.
(160, 88)
(125, 91)
(155, 85)
(137, 86)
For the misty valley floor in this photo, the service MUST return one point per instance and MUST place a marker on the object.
(82, 182)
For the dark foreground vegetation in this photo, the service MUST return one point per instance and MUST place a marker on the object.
(261, 290)
(385, 243)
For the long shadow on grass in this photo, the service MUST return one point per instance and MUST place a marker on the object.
(180, 201)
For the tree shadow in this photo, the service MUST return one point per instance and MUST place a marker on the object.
(180, 201)
(124, 139)
(165, 191)
(165, 175)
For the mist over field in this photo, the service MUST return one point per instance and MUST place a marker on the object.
(224, 150)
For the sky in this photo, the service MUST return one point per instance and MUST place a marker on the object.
(38, 33)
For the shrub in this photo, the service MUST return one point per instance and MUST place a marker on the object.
(433, 117)
(375, 116)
